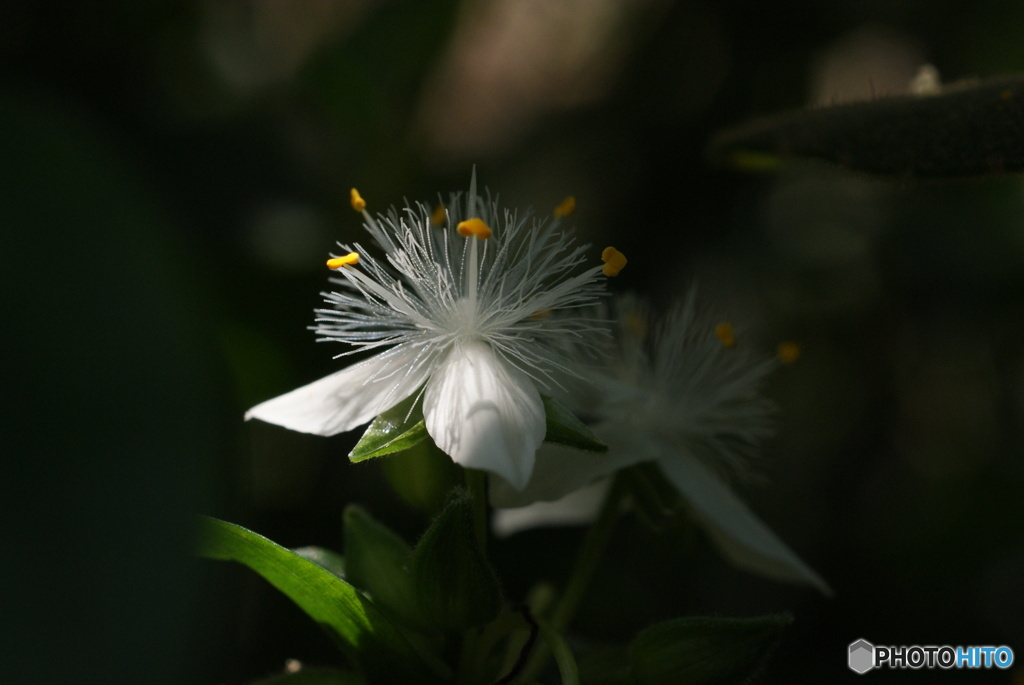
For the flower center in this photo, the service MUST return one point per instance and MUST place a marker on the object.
(464, 320)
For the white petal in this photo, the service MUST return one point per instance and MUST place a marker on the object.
(737, 532)
(561, 470)
(576, 508)
(484, 413)
(346, 399)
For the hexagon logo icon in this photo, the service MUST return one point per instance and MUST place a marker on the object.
(862, 656)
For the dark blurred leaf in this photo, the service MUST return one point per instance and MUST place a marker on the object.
(315, 676)
(967, 130)
(456, 586)
(397, 429)
(564, 428)
(705, 651)
(364, 634)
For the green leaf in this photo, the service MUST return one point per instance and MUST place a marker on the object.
(456, 586)
(369, 640)
(378, 563)
(962, 131)
(315, 676)
(705, 651)
(565, 429)
(397, 429)
(325, 558)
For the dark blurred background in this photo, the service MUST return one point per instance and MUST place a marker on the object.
(173, 175)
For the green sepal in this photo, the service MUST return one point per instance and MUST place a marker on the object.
(422, 475)
(397, 429)
(325, 558)
(705, 650)
(315, 676)
(457, 588)
(370, 641)
(563, 428)
(377, 562)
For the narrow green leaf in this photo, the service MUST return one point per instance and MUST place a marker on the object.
(315, 676)
(370, 641)
(456, 586)
(397, 429)
(705, 651)
(961, 131)
(565, 429)
(378, 563)
(332, 561)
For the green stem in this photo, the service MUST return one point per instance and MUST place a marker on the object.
(587, 559)
(505, 627)
(554, 641)
(476, 483)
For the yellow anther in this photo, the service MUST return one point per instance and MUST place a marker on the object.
(788, 352)
(439, 215)
(358, 203)
(351, 259)
(474, 227)
(541, 314)
(725, 334)
(614, 261)
(567, 207)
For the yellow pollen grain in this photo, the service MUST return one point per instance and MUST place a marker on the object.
(438, 216)
(567, 207)
(358, 203)
(351, 259)
(474, 227)
(725, 334)
(614, 261)
(788, 352)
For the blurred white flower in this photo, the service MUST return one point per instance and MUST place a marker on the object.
(684, 397)
(460, 314)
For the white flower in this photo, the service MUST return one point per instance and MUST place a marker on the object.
(686, 399)
(460, 316)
